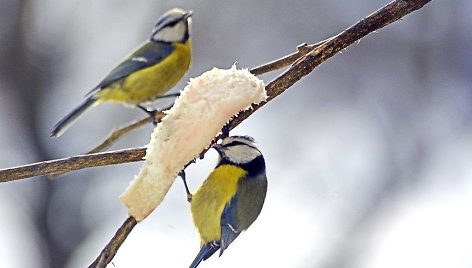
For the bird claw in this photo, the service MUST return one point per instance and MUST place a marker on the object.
(151, 113)
(225, 131)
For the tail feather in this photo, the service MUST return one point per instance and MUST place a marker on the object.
(205, 252)
(71, 117)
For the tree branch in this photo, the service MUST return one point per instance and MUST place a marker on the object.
(286, 60)
(94, 158)
(388, 14)
(72, 164)
(318, 53)
(115, 243)
(305, 62)
(118, 133)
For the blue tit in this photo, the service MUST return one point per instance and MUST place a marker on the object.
(232, 196)
(148, 73)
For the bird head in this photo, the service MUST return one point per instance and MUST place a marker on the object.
(173, 26)
(238, 149)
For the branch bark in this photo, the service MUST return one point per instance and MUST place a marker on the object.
(72, 163)
(112, 247)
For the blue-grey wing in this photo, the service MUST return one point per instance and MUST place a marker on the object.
(229, 224)
(149, 54)
(243, 208)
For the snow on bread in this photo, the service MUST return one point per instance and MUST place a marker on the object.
(198, 115)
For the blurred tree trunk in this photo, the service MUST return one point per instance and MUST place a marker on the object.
(28, 73)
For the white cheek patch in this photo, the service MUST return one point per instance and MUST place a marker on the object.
(241, 154)
(171, 34)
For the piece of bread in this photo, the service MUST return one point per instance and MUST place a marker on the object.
(198, 115)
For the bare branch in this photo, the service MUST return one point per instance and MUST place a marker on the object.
(328, 48)
(72, 164)
(93, 158)
(117, 134)
(286, 60)
(319, 53)
(388, 14)
(112, 247)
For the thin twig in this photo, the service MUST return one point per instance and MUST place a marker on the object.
(388, 14)
(286, 60)
(118, 133)
(112, 247)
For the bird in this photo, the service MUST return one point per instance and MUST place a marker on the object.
(147, 73)
(232, 196)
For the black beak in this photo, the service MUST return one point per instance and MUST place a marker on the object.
(188, 14)
(217, 147)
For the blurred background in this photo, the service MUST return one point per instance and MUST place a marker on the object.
(368, 158)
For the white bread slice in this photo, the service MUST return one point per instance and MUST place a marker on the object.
(198, 115)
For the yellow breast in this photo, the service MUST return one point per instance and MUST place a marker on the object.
(210, 199)
(149, 83)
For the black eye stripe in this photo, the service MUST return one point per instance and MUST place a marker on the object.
(173, 22)
(236, 143)
(168, 22)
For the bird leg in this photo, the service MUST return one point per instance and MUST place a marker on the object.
(183, 176)
(152, 113)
